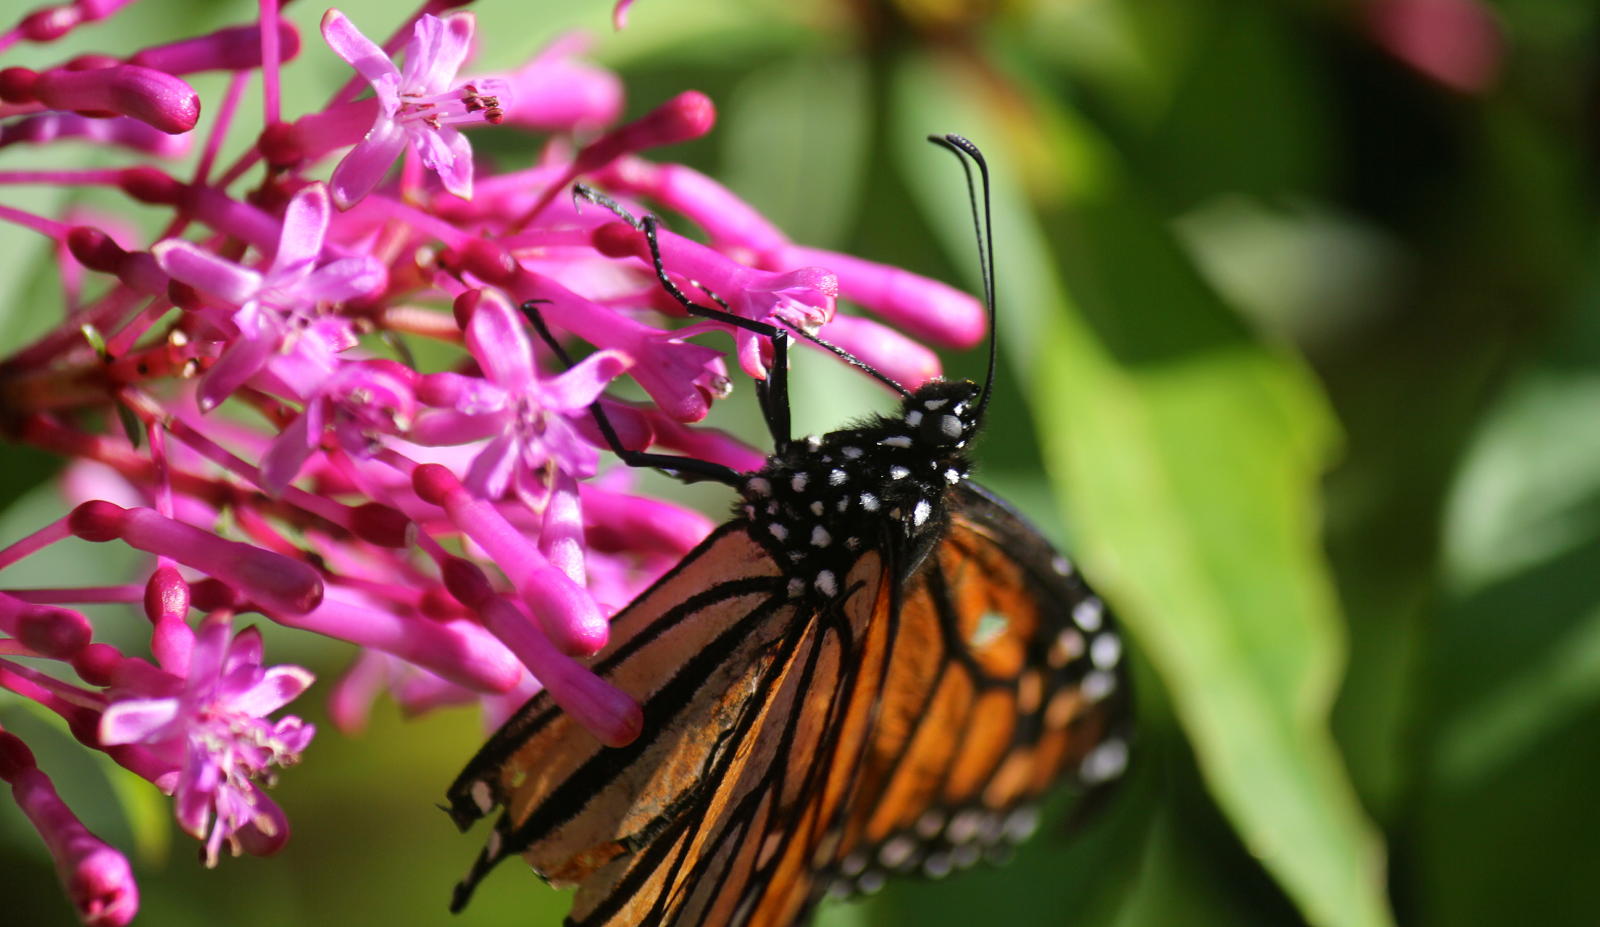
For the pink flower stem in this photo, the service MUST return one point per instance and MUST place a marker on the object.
(225, 113)
(47, 227)
(271, 52)
(133, 592)
(35, 542)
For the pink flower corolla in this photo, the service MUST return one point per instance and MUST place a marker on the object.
(212, 727)
(358, 402)
(802, 299)
(420, 106)
(530, 420)
(278, 322)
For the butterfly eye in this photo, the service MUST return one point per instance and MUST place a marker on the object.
(942, 429)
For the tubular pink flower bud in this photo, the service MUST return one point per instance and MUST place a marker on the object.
(555, 92)
(459, 651)
(236, 48)
(922, 306)
(49, 23)
(686, 116)
(96, 877)
(166, 603)
(40, 128)
(45, 629)
(563, 609)
(95, 250)
(729, 220)
(605, 711)
(165, 102)
(97, 664)
(614, 521)
(272, 581)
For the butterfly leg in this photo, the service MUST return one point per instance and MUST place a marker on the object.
(680, 466)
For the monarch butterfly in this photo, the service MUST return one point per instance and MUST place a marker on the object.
(875, 667)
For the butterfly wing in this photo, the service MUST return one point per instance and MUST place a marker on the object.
(1006, 678)
(789, 750)
(744, 695)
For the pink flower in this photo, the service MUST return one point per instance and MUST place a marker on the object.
(212, 726)
(418, 106)
(277, 310)
(529, 420)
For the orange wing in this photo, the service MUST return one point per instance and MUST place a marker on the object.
(790, 752)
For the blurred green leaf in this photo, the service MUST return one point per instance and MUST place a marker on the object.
(1190, 454)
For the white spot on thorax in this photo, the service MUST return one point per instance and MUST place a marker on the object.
(817, 507)
(913, 418)
(798, 482)
(898, 473)
(921, 512)
(950, 426)
(778, 531)
(837, 477)
(934, 405)
(869, 502)
(851, 453)
(896, 441)
(952, 476)
(758, 486)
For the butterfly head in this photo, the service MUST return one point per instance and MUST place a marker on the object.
(943, 415)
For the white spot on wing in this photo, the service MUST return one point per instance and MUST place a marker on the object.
(1105, 650)
(826, 584)
(869, 502)
(798, 482)
(898, 473)
(816, 507)
(837, 477)
(778, 531)
(1104, 762)
(1089, 614)
(1097, 684)
(820, 537)
(758, 486)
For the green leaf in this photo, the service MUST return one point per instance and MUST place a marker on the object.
(1190, 455)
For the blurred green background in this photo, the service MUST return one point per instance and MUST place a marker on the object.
(1302, 358)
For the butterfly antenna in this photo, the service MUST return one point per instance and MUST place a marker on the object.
(983, 227)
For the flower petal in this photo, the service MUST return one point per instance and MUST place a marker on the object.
(579, 387)
(437, 49)
(344, 279)
(237, 364)
(499, 341)
(305, 224)
(136, 720)
(359, 171)
(357, 50)
(491, 469)
(290, 449)
(189, 263)
(449, 154)
(279, 686)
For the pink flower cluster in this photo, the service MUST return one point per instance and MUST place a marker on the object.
(281, 453)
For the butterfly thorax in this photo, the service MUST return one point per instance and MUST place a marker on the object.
(822, 501)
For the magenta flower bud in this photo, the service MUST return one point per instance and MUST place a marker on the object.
(554, 92)
(905, 361)
(615, 521)
(686, 116)
(166, 603)
(608, 713)
(40, 128)
(729, 220)
(49, 23)
(924, 307)
(97, 664)
(45, 629)
(564, 610)
(272, 581)
(166, 596)
(165, 102)
(459, 651)
(150, 185)
(96, 877)
(95, 250)
(236, 48)
(382, 525)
